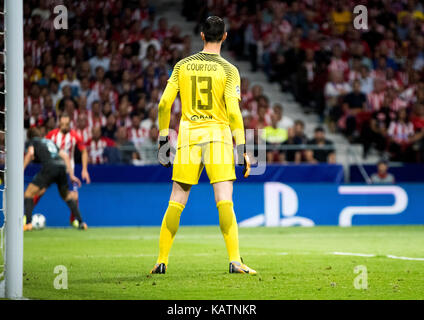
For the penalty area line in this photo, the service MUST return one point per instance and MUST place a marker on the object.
(373, 255)
(404, 258)
(353, 254)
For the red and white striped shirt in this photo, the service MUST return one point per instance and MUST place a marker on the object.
(93, 33)
(398, 104)
(400, 132)
(36, 50)
(402, 77)
(29, 101)
(285, 27)
(85, 134)
(393, 83)
(353, 75)
(124, 122)
(98, 87)
(96, 149)
(137, 136)
(74, 118)
(37, 121)
(378, 74)
(94, 121)
(375, 100)
(338, 65)
(67, 142)
(409, 94)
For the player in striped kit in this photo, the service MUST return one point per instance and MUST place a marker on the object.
(67, 139)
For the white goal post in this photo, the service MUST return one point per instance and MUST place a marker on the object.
(14, 134)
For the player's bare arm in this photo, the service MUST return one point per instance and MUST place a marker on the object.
(69, 169)
(29, 156)
(84, 173)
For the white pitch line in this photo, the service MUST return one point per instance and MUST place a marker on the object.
(373, 255)
(354, 254)
(404, 258)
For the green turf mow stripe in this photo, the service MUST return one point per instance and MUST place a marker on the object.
(292, 263)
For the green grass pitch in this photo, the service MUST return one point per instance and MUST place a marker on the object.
(292, 263)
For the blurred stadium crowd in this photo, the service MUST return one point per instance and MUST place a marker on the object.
(366, 84)
(110, 68)
(107, 72)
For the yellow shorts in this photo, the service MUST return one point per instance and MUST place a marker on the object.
(217, 157)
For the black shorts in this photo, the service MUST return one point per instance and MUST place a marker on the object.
(52, 174)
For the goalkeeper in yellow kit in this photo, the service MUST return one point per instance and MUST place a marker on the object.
(209, 88)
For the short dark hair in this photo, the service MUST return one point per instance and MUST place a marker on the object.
(53, 80)
(382, 161)
(33, 132)
(263, 97)
(299, 122)
(65, 115)
(278, 106)
(213, 28)
(319, 129)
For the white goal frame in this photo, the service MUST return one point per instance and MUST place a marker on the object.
(14, 137)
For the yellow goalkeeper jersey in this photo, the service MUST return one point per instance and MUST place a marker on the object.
(209, 88)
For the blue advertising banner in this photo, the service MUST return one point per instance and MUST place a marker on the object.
(157, 174)
(256, 204)
(403, 172)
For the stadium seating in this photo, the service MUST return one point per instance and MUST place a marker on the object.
(311, 51)
(298, 66)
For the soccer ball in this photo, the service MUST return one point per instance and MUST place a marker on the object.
(38, 221)
(75, 224)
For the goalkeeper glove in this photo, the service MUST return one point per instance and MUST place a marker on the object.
(243, 159)
(164, 152)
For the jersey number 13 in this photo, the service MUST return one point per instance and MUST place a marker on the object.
(205, 84)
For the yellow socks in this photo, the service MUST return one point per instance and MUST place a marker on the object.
(229, 229)
(170, 224)
(227, 222)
